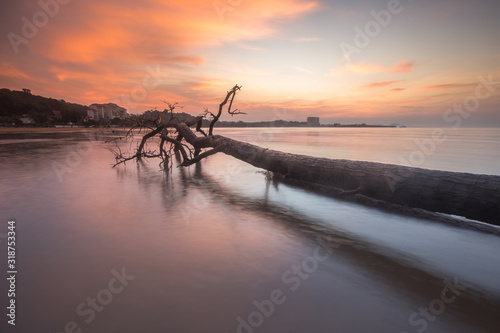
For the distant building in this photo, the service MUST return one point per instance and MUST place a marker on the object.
(313, 121)
(109, 110)
(26, 119)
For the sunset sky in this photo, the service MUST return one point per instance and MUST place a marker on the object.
(411, 62)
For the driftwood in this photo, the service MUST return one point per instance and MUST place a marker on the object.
(472, 196)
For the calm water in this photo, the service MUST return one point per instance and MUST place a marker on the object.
(214, 248)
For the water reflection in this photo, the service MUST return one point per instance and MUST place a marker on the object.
(396, 271)
(205, 242)
(401, 271)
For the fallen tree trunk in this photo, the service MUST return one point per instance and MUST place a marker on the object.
(472, 196)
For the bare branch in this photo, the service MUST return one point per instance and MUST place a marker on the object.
(172, 106)
(200, 157)
(230, 94)
(232, 113)
(178, 145)
(146, 137)
(198, 127)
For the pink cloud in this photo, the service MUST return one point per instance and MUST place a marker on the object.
(362, 68)
(381, 84)
(307, 39)
(403, 66)
(450, 86)
(10, 70)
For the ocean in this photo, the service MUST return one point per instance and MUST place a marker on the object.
(215, 247)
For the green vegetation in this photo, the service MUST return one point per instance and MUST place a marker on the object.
(44, 111)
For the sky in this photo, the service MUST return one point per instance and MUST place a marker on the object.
(412, 62)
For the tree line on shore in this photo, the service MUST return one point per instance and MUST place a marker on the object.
(46, 111)
(16, 106)
(22, 108)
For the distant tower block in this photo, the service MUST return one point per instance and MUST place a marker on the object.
(313, 121)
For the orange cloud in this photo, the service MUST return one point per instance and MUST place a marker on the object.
(403, 66)
(10, 70)
(220, 85)
(138, 32)
(362, 68)
(381, 84)
(98, 51)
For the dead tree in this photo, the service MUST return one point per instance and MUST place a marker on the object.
(472, 196)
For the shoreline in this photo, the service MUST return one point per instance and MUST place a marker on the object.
(46, 129)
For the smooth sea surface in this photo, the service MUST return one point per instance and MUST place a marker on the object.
(216, 248)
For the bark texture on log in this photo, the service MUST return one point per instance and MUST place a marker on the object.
(473, 196)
